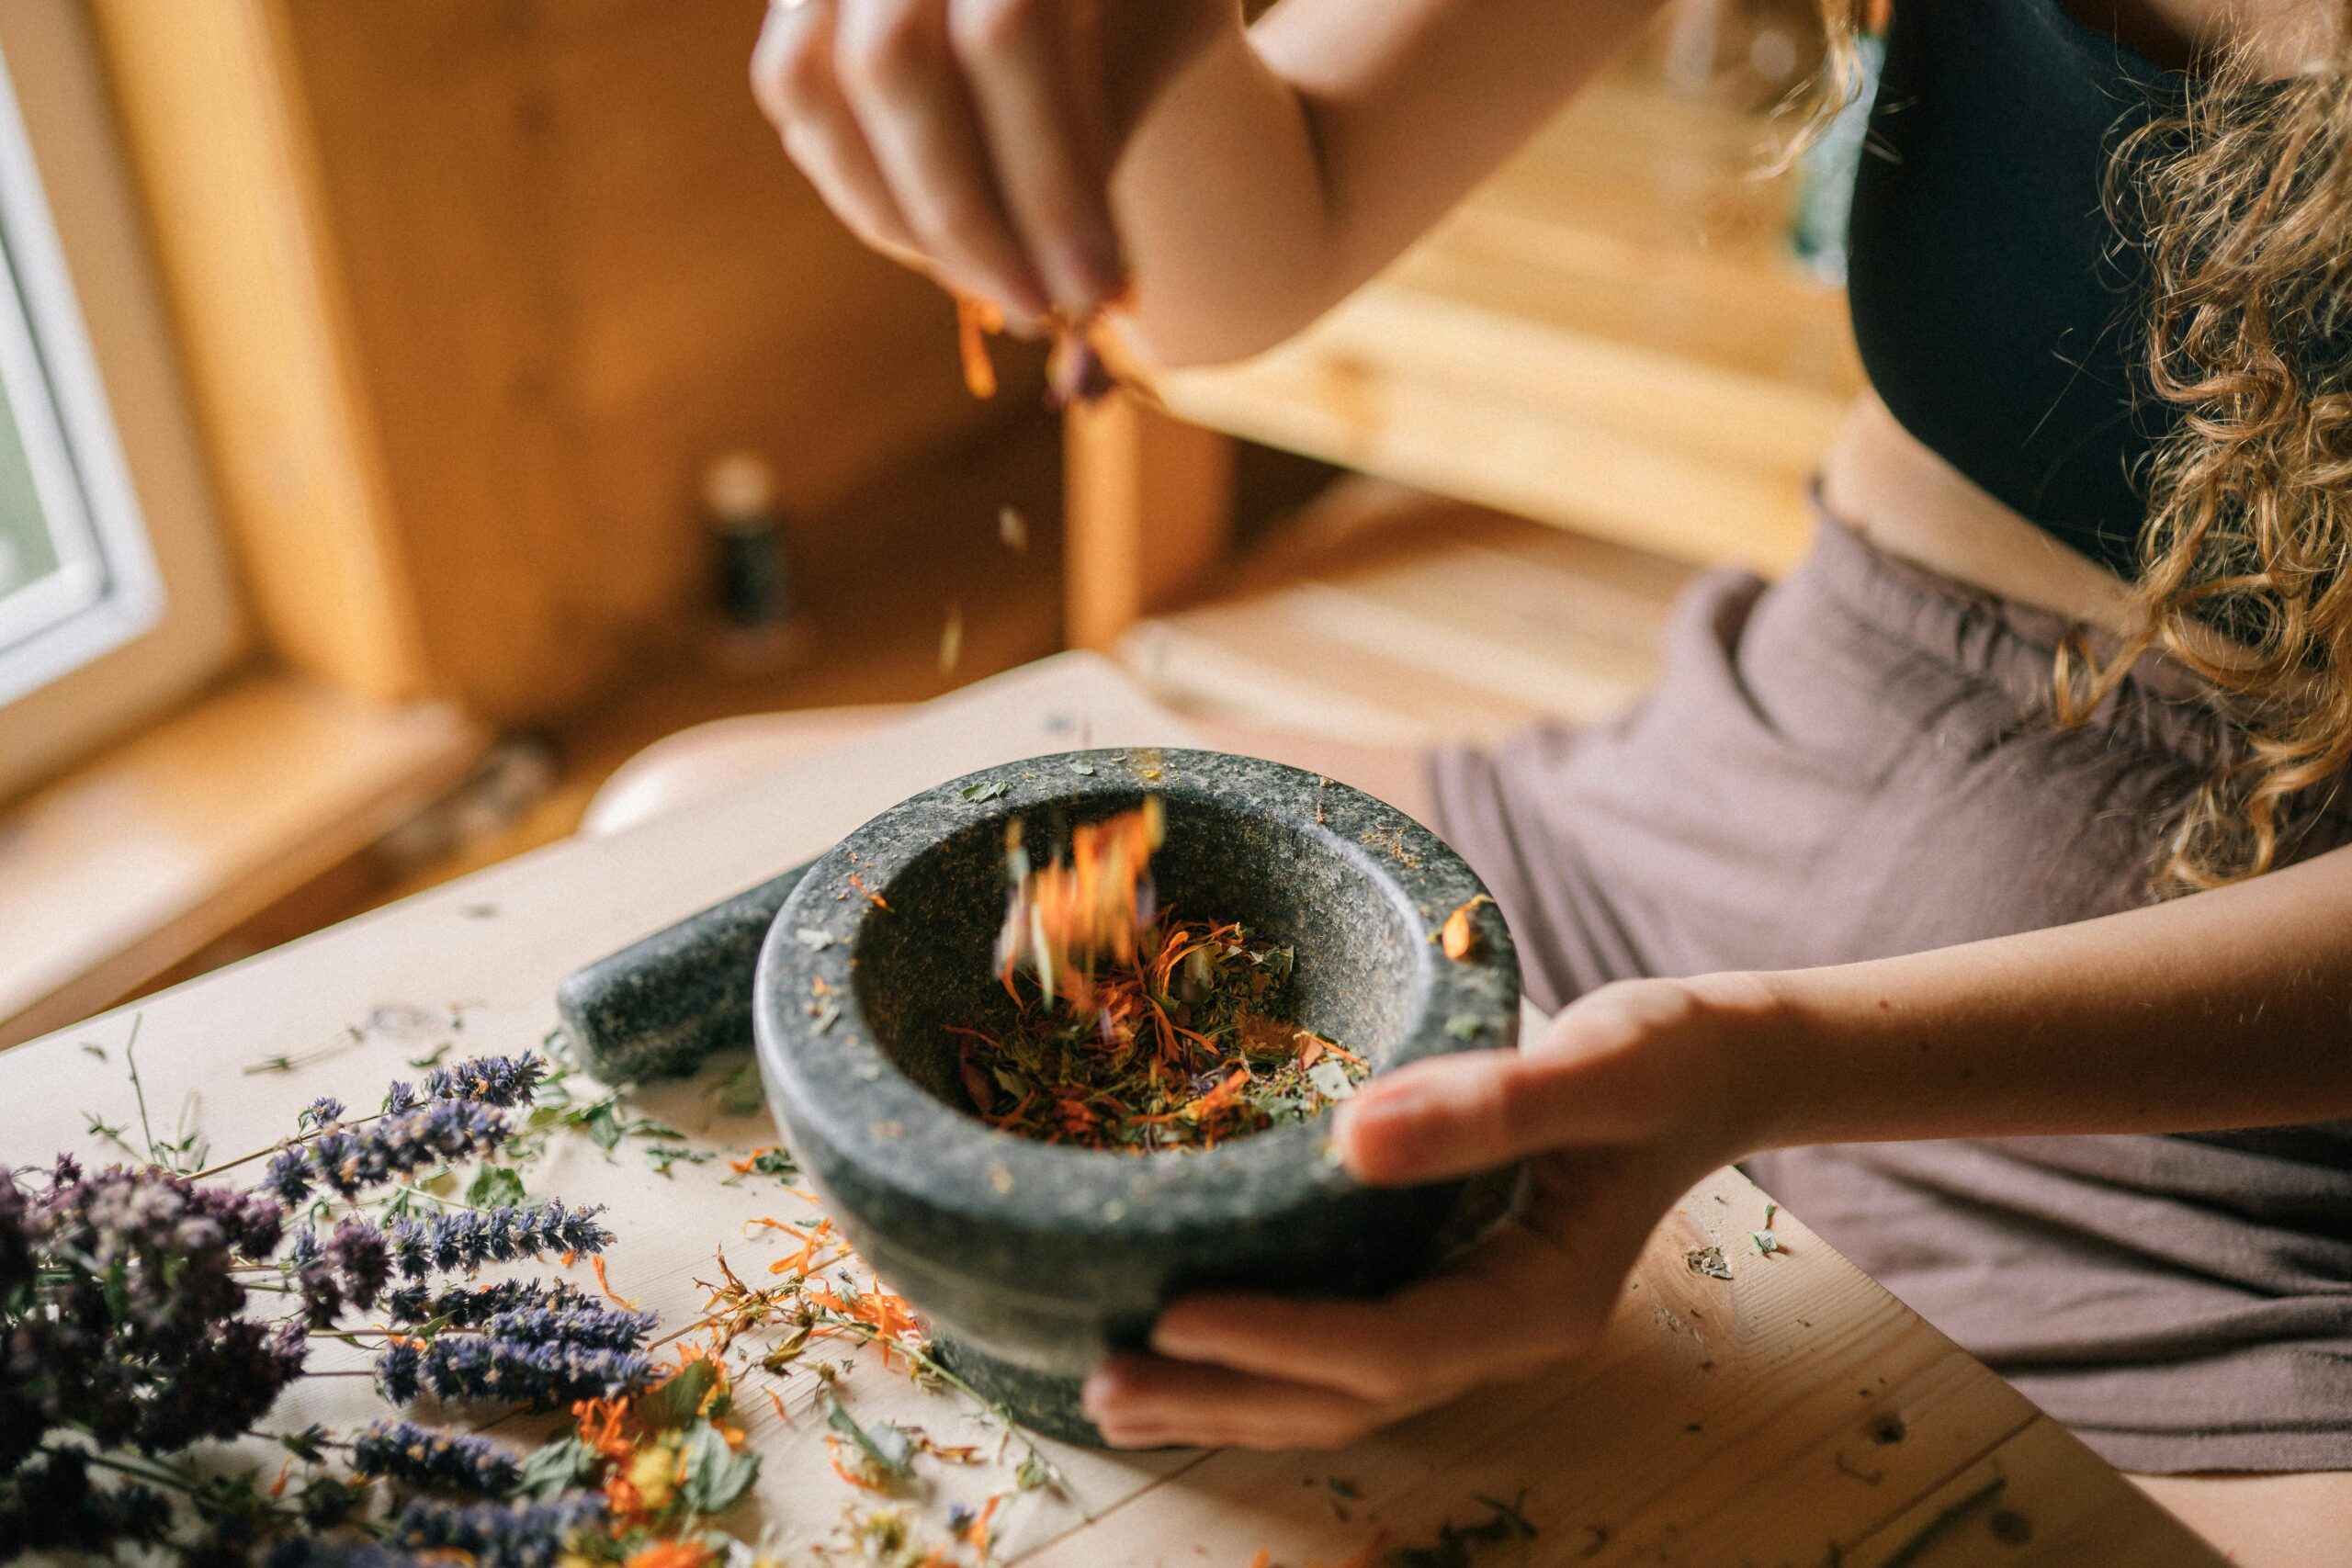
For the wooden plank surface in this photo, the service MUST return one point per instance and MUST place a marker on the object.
(1793, 1413)
(1605, 337)
(1385, 615)
(128, 864)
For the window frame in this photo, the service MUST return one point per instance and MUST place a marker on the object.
(115, 435)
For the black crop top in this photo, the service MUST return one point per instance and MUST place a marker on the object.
(1997, 312)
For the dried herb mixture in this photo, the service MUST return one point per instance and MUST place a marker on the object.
(1136, 1030)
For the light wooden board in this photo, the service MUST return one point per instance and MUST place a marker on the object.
(125, 866)
(1606, 336)
(1390, 616)
(1721, 1422)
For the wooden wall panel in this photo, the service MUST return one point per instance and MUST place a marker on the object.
(224, 164)
(577, 266)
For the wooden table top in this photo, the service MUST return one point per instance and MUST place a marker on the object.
(1795, 1412)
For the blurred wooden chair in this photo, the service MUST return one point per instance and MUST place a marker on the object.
(707, 758)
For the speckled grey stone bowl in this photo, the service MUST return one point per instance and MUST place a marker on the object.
(1031, 1262)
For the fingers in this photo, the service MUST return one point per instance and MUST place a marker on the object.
(1611, 1069)
(794, 80)
(1395, 1354)
(909, 96)
(1149, 1401)
(1044, 123)
(1453, 1115)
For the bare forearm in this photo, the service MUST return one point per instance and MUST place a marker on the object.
(1281, 168)
(2228, 1009)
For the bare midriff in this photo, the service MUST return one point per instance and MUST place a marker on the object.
(1879, 479)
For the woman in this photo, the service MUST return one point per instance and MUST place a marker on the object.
(2008, 818)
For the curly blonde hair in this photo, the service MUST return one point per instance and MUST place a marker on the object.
(2238, 193)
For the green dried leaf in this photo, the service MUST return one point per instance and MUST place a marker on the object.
(1034, 1473)
(717, 1475)
(603, 1122)
(889, 1446)
(310, 1443)
(663, 1156)
(1082, 768)
(679, 1400)
(555, 1468)
(786, 1349)
(1456, 1545)
(494, 1185)
(1766, 1242)
(777, 1162)
(1463, 1026)
(987, 790)
(739, 1093)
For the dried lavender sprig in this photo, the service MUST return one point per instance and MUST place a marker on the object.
(509, 1536)
(448, 1244)
(492, 1080)
(440, 1132)
(470, 1306)
(596, 1326)
(444, 1462)
(489, 1080)
(141, 1344)
(317, 1551)
(478, 1369)
(51, 1505)
(363, 1257)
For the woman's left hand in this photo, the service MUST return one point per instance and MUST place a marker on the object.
(1625, 1101)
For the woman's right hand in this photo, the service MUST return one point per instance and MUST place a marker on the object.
(973, 140)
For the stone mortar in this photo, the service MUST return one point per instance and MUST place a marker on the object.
(1034, 1262)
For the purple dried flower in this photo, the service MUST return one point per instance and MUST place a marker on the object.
(321, 1296)
(474, 1367)
(140, 1340)
(499, 1536)
(314, 1552)
(365, 1259)
(470, 1306)
(402, 1450)
(399, 1097)
(51, 1506)
(440, 1132)
(253, 1222)
(492, 1080)
(323, 1111)
(449, 1243)
(289, 1176)
(16, 1241)
(222, 1385)
(595, 1326)
(396, 1370)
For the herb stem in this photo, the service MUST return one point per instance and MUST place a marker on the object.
(294, 1142)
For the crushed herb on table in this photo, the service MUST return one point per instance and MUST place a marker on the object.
(1138, 1029)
